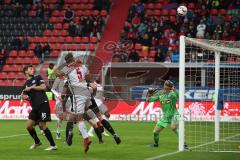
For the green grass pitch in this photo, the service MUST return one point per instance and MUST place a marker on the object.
(15, 143)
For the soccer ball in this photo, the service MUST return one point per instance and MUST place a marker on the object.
(182, 10)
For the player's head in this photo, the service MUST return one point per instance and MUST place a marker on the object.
(69, 58)
(51, 66)
(29, 70)
(168, 85)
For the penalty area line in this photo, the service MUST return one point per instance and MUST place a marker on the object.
(163, 155)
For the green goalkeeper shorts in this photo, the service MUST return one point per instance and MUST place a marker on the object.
(165, 120)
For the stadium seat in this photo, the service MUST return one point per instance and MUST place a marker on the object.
(28, 60)
(152, 53)
(156, 12)
(151, 59)
(172, 12)
(35, 61)
(143, 54)
(11, 75)
(47, 33)
(65, 25)
(15, 68)
(164, 12)
(19, 60)
(3, 75)
(61, 40)
(69, 39)
(93, 39)
(30, 53)
(13, 53)
(191, 6)
(20, 75)
(22, 53)
(54, 53)
(91, 47)
(18, 83)
(149, 12)
(10, 60)
(95, 13)
(150, 6)
(8, 83)
(103, 13)
(56, 13)
(158, 6)
(58, 26)
(7, 68)
(214, 12)
(53, 40)
(223, 12)
(138, 46)
(77, 39)
(85, 39)
(2, 83)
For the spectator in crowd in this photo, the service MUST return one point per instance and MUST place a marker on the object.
(16, 43)
(219, 20)
(46, 49)
(218, 31)
(106, 5)
(145, 40)
(51, 75)
(133, 56)
(140, 8)
(87, 28)
(79, 28)
(40, 10)
(60, 4)
(96, 29)
(69, 15)
(18, 9)
(136, 21)
(201, 30)
(159, 55)
(25, 43)
(72, 29)
(38, 50)
(47, 11)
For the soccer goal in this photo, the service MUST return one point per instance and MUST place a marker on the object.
(209, 95)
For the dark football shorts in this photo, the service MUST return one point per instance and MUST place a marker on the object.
(41, 114)
(94, 107)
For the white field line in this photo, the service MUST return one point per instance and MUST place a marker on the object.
(205, 144)
(19, 135)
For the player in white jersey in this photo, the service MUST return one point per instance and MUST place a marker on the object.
(77, 74)
(102, 108)
(98, 110)
(56, 90)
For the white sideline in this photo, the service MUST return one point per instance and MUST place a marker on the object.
(19, 135)
(201, 145)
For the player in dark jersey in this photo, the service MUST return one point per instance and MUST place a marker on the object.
(34, 91)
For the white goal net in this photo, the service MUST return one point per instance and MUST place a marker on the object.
(209, 95)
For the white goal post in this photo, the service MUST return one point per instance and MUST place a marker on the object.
(210, 71)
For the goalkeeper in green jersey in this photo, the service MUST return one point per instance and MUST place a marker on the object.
(168, 98)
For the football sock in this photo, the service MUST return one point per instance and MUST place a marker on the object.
(33, 133)
(108, 126)
(156, 137)
(98, 133)
(69, 128)
(48, 134)
(82, 128)
(59, 124)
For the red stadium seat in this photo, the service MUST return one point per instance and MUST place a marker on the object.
(82, 47)
(18, 83)
(2, 83)
(214, 12)
(35, 61)
(223, 12)
(82, 6)
(103, 13)
(191, 6)
(85, 39)
(79, 13)
(91, 47)
(20, 75)
(95, 13)
(32, 46)
(3, 75)
(15, 68)
(22, 53)
(164, 12)
(64, 33)
(58, 26)
(143, 54)
(58, 46)
(56, 32)
(158, 6)
(93, 39)
(44, 39)
(90, 6)
(149, 12)
(66, 26)
(150, 6)
(152, 53)
(30, 53)
(61, 40)
(47, 33)
(55, 53)
(8, 83)
(172, 18)
(7, 68)
(13, 53)
(69, 39)
(36, 39)
(74, 6)
(10, 60)
(11, 75)
(151, 59)
(138, 46)
(53, 40)
(19, 60)
(87, 13)
(56, 13)
(172, 12)
(156, 12)
(32, 13)
(77, 39)
(27, 60)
